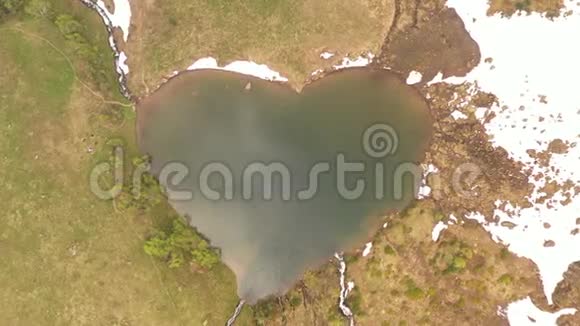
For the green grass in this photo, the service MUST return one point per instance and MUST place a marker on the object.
(68, 258)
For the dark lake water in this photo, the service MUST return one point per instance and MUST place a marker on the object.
(221, 126)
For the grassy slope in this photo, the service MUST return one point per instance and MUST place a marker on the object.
(286, 35)
(68, 258)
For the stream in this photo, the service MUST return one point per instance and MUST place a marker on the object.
(119, 56)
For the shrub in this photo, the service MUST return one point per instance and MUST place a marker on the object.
(68, 26)
(505, 279)
(39, 9)
(354, 302)
(204, 256)
(182, 243)
(523, 5)
(295, 301)
(504, 253)
(459, 263)
(453, 256)
(413, 291)
(141, 195)
(9, 7)
(264, 310)
(75, 33)
(157, 246)
(389, 250)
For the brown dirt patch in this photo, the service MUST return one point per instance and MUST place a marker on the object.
(567, 295)
(438, 43)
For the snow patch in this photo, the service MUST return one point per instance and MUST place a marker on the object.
(457, 115)
(350, 285)
(525, 313)
(424, 189)
(480, 113)
(452, 219)
(122, 63)
(317, 72)
(437, 79)
(249, 68)
(367, 249)
(361, 61)
(345, 289)
(120, 57)
(414, 77)
(439, 227)
(326, 55)
(120, 17)
(535, 79)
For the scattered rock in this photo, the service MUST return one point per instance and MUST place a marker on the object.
(549, 243)
(557, 146)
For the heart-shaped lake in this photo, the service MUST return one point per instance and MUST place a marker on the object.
(280, 180)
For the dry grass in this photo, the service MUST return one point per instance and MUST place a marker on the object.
(286, 35)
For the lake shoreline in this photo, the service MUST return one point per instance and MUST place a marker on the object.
(192, 111)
